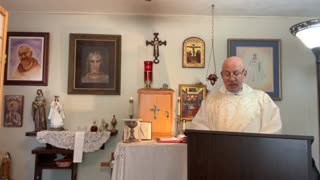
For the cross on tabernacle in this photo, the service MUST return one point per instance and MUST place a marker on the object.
(156, 43)
(155, 109)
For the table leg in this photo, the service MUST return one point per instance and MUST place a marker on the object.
(74, 171)
(37, 169)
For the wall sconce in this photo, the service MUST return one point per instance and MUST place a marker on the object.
(309, 33)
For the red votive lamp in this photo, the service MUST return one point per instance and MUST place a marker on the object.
(148, 73)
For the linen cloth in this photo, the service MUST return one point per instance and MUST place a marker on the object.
(150, 161)
(65, 139)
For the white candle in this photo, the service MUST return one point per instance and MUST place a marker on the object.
(131, 106)
(178, 104)
(183, 125)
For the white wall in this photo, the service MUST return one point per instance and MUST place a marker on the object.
(299, 96)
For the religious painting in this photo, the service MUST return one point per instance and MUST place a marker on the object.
(193, 55)
(13, 111)
(262, 60)
(94, 64)
(191, 97)
(27, 61)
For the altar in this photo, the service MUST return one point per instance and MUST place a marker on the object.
(149, 160)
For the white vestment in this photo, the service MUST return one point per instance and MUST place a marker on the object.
(56, 115)
(247, 111)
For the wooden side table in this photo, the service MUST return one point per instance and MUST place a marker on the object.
(45, 160)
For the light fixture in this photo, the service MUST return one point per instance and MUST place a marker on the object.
(309, 33)
(212, 77)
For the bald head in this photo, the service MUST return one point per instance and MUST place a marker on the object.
(233, 73)
(232, 62)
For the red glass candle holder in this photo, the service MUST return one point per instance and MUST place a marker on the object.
(148, 73)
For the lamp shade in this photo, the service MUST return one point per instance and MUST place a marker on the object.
(308, 32)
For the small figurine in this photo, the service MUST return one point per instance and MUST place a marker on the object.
(56, 115)
(113, 124)
(104, 126)
(165, 86)
(5, 167)
(94, 127)
(39, 111)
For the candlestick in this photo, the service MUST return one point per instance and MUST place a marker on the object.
(178, 104)
(131, 108)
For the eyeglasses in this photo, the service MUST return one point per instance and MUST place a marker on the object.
(236, 74)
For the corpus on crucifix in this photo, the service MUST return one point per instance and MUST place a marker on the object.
(156, 43)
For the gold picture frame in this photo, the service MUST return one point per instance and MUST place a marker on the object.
(193, 53)
(191, 97)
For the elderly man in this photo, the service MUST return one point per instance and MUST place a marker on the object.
(29, 67)
(236, 106)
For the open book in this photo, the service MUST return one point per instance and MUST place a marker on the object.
(178, 139)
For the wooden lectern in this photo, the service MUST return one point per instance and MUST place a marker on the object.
(214, 155)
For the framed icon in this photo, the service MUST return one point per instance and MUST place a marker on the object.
(191, 97)
(193, 53)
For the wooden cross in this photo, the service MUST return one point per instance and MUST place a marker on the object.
(156, 43)
(155, 109)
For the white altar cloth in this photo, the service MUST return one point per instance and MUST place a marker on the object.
(66, 139)
(150, 161)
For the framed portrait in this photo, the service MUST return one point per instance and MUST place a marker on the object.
(193, 55)
(13, 111)
(262, 60)
(191, 97)
(94, 64)
(27, 59)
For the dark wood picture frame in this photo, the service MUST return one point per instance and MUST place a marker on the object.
(193, 53)
(13, 110)
(262, 57)
(107, 80)
(191, 97)
(19, 45)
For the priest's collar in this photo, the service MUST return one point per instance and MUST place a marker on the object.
(225, 91)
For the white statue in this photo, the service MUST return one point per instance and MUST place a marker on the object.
(56, 114)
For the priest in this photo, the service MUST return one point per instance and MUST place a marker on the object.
(236, 106)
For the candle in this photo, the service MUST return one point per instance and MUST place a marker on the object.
(131, 107)
(178, 104)
(148, 73)
(183, 125)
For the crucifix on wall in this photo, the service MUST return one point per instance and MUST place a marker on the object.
(156, 43)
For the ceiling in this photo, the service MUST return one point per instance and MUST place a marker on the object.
(288, 8)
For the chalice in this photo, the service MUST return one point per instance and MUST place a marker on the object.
(131, 123)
